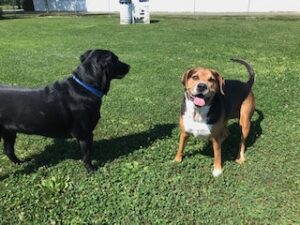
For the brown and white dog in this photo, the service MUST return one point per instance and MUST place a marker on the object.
(209, 101)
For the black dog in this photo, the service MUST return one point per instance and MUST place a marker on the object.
(65, 109)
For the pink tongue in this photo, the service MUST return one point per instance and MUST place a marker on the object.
(199, 101)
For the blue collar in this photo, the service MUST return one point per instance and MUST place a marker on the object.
(88, 87)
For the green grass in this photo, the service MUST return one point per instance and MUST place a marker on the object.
(137, 137)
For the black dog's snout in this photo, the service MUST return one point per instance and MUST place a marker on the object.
(201, 87)
(127, 66)
(121, 68)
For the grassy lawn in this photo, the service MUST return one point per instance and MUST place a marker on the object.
(137, 137)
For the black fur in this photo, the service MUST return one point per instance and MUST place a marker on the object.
(63, 109)
(235, 93)
(215, 110)
(183, 106)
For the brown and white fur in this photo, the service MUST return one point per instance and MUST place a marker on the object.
(209, 102)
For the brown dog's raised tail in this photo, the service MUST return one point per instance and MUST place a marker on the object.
(249, 69)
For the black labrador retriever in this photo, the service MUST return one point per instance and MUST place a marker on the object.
(65, 109)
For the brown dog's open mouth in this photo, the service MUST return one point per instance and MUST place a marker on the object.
(199, 101)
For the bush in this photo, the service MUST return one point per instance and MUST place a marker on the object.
(1, 12)
(5, 2)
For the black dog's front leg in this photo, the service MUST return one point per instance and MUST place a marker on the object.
(86, 145)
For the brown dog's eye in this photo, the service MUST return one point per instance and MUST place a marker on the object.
(212, 79)
(195, 77)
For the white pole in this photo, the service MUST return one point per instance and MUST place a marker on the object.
(248, 9)
(75, 7)
(132, 9)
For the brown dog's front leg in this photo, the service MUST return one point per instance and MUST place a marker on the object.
(216, 143)
(183, 139)
(86, 145)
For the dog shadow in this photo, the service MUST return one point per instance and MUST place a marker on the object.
(103, 150)
(230, 147)
(154, 21)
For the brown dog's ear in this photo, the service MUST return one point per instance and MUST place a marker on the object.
(187, 75)
(220, 80)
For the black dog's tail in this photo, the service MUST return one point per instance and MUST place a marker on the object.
(249, 69)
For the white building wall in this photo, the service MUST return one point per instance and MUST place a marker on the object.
(60, 5)
(222, 6)
(39, 5)
(175, 6)
(275, 6)
(199, 6)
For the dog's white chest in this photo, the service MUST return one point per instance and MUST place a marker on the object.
(195, 121)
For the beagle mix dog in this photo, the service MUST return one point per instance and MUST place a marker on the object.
(209, 102)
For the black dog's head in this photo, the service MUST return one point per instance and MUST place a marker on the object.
(98, 67)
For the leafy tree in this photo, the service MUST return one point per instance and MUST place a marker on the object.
(28, 5)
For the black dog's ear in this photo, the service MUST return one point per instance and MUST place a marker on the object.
(85, 55)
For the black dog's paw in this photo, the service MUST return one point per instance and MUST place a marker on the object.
(19, 162)
(15, 159)
(91, 168)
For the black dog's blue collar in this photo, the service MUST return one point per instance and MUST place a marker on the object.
(88, 87)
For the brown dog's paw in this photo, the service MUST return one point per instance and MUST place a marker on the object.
(178, 159)
(240, 160)
(217, 172)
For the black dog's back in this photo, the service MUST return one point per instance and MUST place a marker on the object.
(35, 111)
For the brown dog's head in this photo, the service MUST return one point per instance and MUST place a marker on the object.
(202, 84)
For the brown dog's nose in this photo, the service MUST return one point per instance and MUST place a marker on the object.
(201, 87)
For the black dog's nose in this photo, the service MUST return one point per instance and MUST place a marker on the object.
(201, 87)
